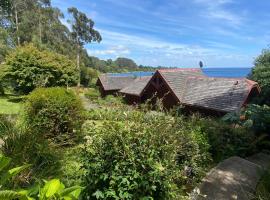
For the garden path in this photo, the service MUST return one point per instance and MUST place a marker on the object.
(233, 179)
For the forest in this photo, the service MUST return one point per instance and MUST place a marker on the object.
(60, 140)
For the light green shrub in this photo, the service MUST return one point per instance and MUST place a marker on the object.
(27, 68)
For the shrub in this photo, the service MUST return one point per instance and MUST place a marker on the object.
(23, 146)
(261, 74)
(226, 140)
(257, 118)
(142, 156)
(28, 68)
(55, 113)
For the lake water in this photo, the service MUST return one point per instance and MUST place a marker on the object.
(211, 72)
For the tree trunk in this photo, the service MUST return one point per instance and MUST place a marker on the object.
(78, 65)
(17, 25)
(39, 27)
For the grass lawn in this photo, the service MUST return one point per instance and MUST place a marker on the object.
(10, 104)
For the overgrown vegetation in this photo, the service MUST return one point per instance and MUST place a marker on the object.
(127, 158)
(114, 151)
(261, 74)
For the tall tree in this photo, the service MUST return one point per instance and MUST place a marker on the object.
(83, 32)
(261, 74)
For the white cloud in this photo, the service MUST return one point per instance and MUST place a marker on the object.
(153, 51)
(118, 50)
(216, 10)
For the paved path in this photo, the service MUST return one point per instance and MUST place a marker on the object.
(87, 104)
(234, 178)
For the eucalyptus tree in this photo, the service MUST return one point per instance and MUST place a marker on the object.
(83, 32)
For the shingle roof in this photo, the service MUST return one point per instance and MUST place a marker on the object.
(137, 86)
(176, 78)
(115, 82)
(221, 94)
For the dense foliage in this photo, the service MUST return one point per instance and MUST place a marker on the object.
(226, 140)
(52, 189)
(55, 113)
(28, 68)
(133, 155)
(261, 74)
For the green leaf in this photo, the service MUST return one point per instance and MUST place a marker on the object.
(4, 161)
(17, 170)
(51, 187)
(9, 195)
(72, 191)
(11, 173)
(98, 194)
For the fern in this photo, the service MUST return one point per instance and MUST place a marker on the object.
(9, 195)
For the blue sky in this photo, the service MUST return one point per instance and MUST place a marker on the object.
(221, 33)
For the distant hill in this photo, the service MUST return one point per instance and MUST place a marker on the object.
(121, 64)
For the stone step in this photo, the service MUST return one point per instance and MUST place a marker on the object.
(233, 179)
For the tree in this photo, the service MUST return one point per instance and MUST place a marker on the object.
(201, 64)
(27, 68)
(261, 74)
(82, 32)
(126, 63)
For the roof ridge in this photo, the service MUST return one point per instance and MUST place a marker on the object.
(179, 69)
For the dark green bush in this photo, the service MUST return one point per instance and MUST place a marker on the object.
(257, 118)
(55, 113)
(142, 156)
(226, 140)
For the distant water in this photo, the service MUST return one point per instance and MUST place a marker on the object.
(227, 72)
(211, 72)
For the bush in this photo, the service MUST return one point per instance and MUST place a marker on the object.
(261, 74)
(23, 146)
(142, 157)
(28, 68)
(226, 140)
(55, 113)
(257, 118)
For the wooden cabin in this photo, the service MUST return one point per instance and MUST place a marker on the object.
(133, 92)
(183, 86)
(168, 84)
(197, 92)
(111, 84)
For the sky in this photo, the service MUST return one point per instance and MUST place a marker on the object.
(178, 33)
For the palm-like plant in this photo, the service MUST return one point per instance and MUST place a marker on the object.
(48, 190)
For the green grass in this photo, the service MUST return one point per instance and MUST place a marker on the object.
(10, 104)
